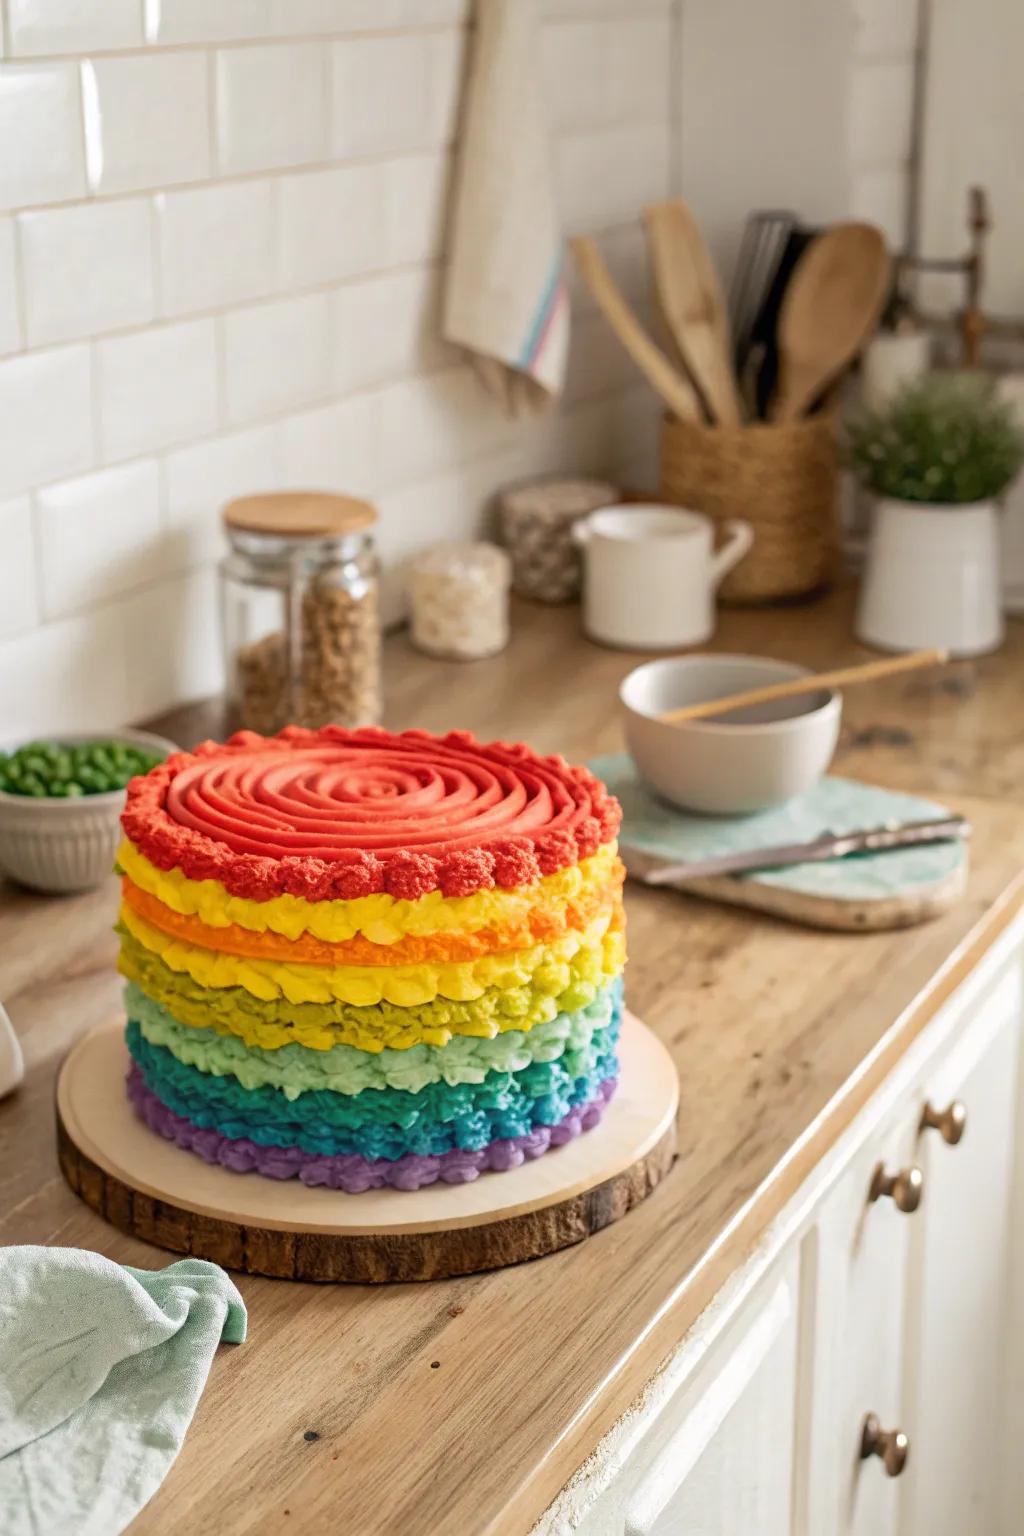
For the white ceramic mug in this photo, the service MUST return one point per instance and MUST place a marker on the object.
(650, 574)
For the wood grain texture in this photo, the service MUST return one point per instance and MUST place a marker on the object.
(460, 1407)
(369, 1260)
(148, 1187)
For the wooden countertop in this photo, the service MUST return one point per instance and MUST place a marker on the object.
(461, 1407)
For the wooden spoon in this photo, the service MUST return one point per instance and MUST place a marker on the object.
(814, 682)
(692, 304)
(832, 305)
(676, 391)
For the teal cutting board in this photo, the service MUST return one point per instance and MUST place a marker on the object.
(866, 892)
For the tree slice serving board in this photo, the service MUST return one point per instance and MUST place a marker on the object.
(865, 893)
(152, 1189)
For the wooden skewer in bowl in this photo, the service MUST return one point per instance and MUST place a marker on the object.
(814, 682)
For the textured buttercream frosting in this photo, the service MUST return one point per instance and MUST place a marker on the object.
(353, 1173)
(363, 960)
(295, 1069)
(333, 813)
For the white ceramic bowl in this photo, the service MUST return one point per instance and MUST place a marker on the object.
(753, 759)
(67, 845)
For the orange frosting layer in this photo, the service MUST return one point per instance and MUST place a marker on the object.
(539, 927)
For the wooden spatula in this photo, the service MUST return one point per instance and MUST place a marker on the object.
(677, 392)
(692, 304)
(833, 303)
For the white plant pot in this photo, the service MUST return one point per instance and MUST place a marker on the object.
(931, 578)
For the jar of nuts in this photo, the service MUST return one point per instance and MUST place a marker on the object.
(459, 600)
(300, 615)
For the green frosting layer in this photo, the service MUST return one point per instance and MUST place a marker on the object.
(296, 1069)
(211, 1006)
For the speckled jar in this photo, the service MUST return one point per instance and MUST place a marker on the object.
(537, 521)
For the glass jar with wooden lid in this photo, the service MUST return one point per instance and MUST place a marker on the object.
(299, 608)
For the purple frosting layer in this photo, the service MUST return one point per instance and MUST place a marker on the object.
(352, 1173)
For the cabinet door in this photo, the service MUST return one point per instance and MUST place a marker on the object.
(717, 1457)
(957, 1309)
(727, 1467)
(861, 1249)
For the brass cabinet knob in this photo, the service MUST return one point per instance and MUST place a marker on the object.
(950, 1122)
(891, 1446)
(904, 1188)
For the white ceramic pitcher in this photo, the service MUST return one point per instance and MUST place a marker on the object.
(650, 574)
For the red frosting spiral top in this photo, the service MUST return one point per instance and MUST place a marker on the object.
(336, 814)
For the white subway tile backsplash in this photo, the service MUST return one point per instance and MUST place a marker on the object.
(98, 536)
(430, 423)
(416, 192)
(276, 357)
(641, 47)
(217, 245)
(18, 606)
(249, 332)
(335, 447)
(271, 106)
(152, 126)
(10, 320)
(881, 104)
(156, 388)
(214, 21)
(72, 26)
(394, 94)
(577, 70)
(383, 15)
(387, 328)
(46, 416)
(68, 676)
(86, 269)
(171, 639)
(604, 178)
(879, 195)
(333, 224)
(886, 28)
(41, 151)
(199, 480)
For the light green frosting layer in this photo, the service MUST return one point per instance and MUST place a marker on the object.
(297, 1069)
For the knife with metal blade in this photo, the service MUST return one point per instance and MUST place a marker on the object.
(654, 870)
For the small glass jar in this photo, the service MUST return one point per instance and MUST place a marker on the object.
(537, 520)
(299, 609)
(459, 600)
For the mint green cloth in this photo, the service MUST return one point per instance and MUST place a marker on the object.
(101, 1368)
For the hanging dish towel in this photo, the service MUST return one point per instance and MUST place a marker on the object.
(506, 300)
(101, 1368)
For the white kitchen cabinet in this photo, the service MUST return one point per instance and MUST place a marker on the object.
(862, 1246)
(718, 1456)
(957, 1317)
(853, 1305)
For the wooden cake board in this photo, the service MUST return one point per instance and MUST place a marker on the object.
(154, 1190)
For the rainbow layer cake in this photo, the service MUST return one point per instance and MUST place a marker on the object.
(363, 959)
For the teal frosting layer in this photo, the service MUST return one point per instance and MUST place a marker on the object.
(382, 1122)
(296, 1069)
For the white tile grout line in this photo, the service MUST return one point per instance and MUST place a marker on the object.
(149, 47)
(278, 295)
(466, 464)
(312, 167)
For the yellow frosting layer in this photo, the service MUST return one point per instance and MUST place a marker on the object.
(323, 1025)
(408, 986)
(382, 919)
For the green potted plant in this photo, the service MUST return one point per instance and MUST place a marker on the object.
(936, 458)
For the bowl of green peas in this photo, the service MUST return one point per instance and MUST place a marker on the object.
(61, 802)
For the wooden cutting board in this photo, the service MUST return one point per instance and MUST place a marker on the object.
(865, 893)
